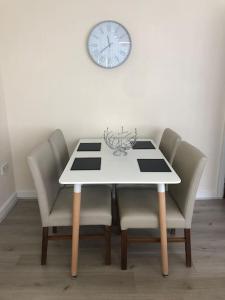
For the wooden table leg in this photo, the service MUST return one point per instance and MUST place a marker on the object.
(163, 228)
(76, 227)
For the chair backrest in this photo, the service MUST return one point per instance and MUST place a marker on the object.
(189, 164)
(45, 175)
(169, 142)
(60, 150)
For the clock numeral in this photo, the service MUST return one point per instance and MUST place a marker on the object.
(117, 58)
(124, 43)
(101, 30)
(102, 59)
(118, 27)
(95, 36)
(122, 52)
(108, 27)
(109, 62)
(122, 36)
(93, 45)
(95, 52)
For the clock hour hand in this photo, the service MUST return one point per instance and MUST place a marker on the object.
(109, 44)
(108, 40)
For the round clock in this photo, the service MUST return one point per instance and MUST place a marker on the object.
(109, 44)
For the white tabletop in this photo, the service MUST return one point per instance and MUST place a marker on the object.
(117, 170)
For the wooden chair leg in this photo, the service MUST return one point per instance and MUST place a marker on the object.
(123, 249)
(108, 230)
(172, 231)
(113, 192)
(117, 224)
(54, 229)
(44, 245)
(187, 235)
(114, 211)
(114, 205)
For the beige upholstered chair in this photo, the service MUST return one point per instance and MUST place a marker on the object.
(138, 208)
(60, 150)
(55, 203)
(170, 140)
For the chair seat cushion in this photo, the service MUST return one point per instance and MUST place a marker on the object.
(138, 208)
(95, 207)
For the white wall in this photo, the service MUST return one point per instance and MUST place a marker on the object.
(7, 185)
(174, 76)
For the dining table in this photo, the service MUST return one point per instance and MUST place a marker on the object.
(93, 163)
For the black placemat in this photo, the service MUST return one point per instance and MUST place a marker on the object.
(87, 163)
(143, 145)
(153, 165)
(89, 147)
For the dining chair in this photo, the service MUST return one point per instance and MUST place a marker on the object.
(61, 153)
(55, 202)
(138, 208)
(169, 142)
(59, 148)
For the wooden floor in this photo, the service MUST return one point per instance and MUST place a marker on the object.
(22, 277)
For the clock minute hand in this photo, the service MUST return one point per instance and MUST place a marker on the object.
(104, 48)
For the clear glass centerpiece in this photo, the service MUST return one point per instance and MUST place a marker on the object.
(121, 141)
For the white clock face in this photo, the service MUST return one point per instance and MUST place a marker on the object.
(109, 44)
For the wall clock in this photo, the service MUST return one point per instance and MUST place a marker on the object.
(109, 44)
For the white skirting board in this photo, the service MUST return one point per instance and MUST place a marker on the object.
(205, 194)
(7, 206)
(32, 195)
(27, 194)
